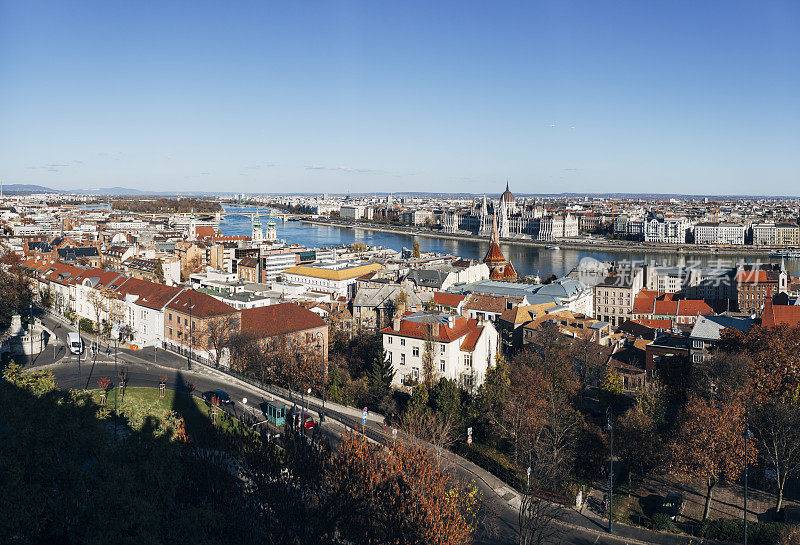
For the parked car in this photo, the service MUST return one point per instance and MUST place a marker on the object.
(672, 505)
(224, 398)
(75, 343)
(307, 419)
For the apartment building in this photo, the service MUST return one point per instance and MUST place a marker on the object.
(615, 294)
(463, 349)
(719, 233)
(669, 229)
(787, 234)
(764, 234)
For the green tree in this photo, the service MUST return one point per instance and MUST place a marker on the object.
(380, 375)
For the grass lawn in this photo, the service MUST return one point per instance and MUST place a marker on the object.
(194, 411)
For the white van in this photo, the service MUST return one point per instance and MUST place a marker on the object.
(75, 343)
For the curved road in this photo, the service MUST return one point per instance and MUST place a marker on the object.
(501, 519)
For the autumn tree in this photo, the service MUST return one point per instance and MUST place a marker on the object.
(400, 496)
(17, 294)
(775, 356)
(415, 252)
(709, 444)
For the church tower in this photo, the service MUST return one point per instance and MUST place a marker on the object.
(272, 232)
(499, 267)
(258, 234)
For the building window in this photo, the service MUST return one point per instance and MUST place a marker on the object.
(697, 358)
(170, 332)
(402, 342)
(468, 360)
(389, 357)
(402, 359)
(415, 373)
(442, 366)
(388, 340)
(415, 351)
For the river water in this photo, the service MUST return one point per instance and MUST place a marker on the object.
(527, 260)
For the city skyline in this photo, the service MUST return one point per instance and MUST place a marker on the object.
(359, 98)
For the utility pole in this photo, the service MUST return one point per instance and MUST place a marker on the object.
(747, 435)
(189, 354)
(610, 428)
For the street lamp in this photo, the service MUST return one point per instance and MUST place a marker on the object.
(610, 429)
(747, 435)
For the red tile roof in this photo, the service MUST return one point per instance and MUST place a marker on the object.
(203, 306)
(281, 319)
(655, 324)
(461, 327)
(471, 339)
(494, 255)
(780, 314)
(755, 277)
(204, 231)
(151, 294)
(447, 299)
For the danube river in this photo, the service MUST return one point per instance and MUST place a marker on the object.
(528, 260)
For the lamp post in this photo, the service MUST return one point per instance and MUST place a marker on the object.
(747, 435)
(610, 428)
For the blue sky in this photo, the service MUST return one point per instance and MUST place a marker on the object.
(693, 97)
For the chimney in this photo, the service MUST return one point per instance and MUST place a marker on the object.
(396, 323)
(436, 329)
(451, 320)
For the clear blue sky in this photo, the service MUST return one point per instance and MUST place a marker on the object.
(291, 96)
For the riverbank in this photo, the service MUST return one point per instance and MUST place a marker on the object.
(600, 245)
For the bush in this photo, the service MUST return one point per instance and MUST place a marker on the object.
(86, 325)
(758, 533)
(662, 523)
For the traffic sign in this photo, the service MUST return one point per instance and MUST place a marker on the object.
(157, 344)
(469, 436)
(364, 418)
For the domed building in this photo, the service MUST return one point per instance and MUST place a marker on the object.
(509, 200)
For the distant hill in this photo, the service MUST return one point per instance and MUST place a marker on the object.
(27, 188)
(110, 191)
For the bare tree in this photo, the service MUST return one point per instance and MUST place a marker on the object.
(777, 428)
(538, 517)
(430, 427)
(218, 333)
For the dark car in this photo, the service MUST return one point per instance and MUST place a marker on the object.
(222, 396)
(672, 505)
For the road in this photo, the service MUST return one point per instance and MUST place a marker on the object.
(501, 518)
